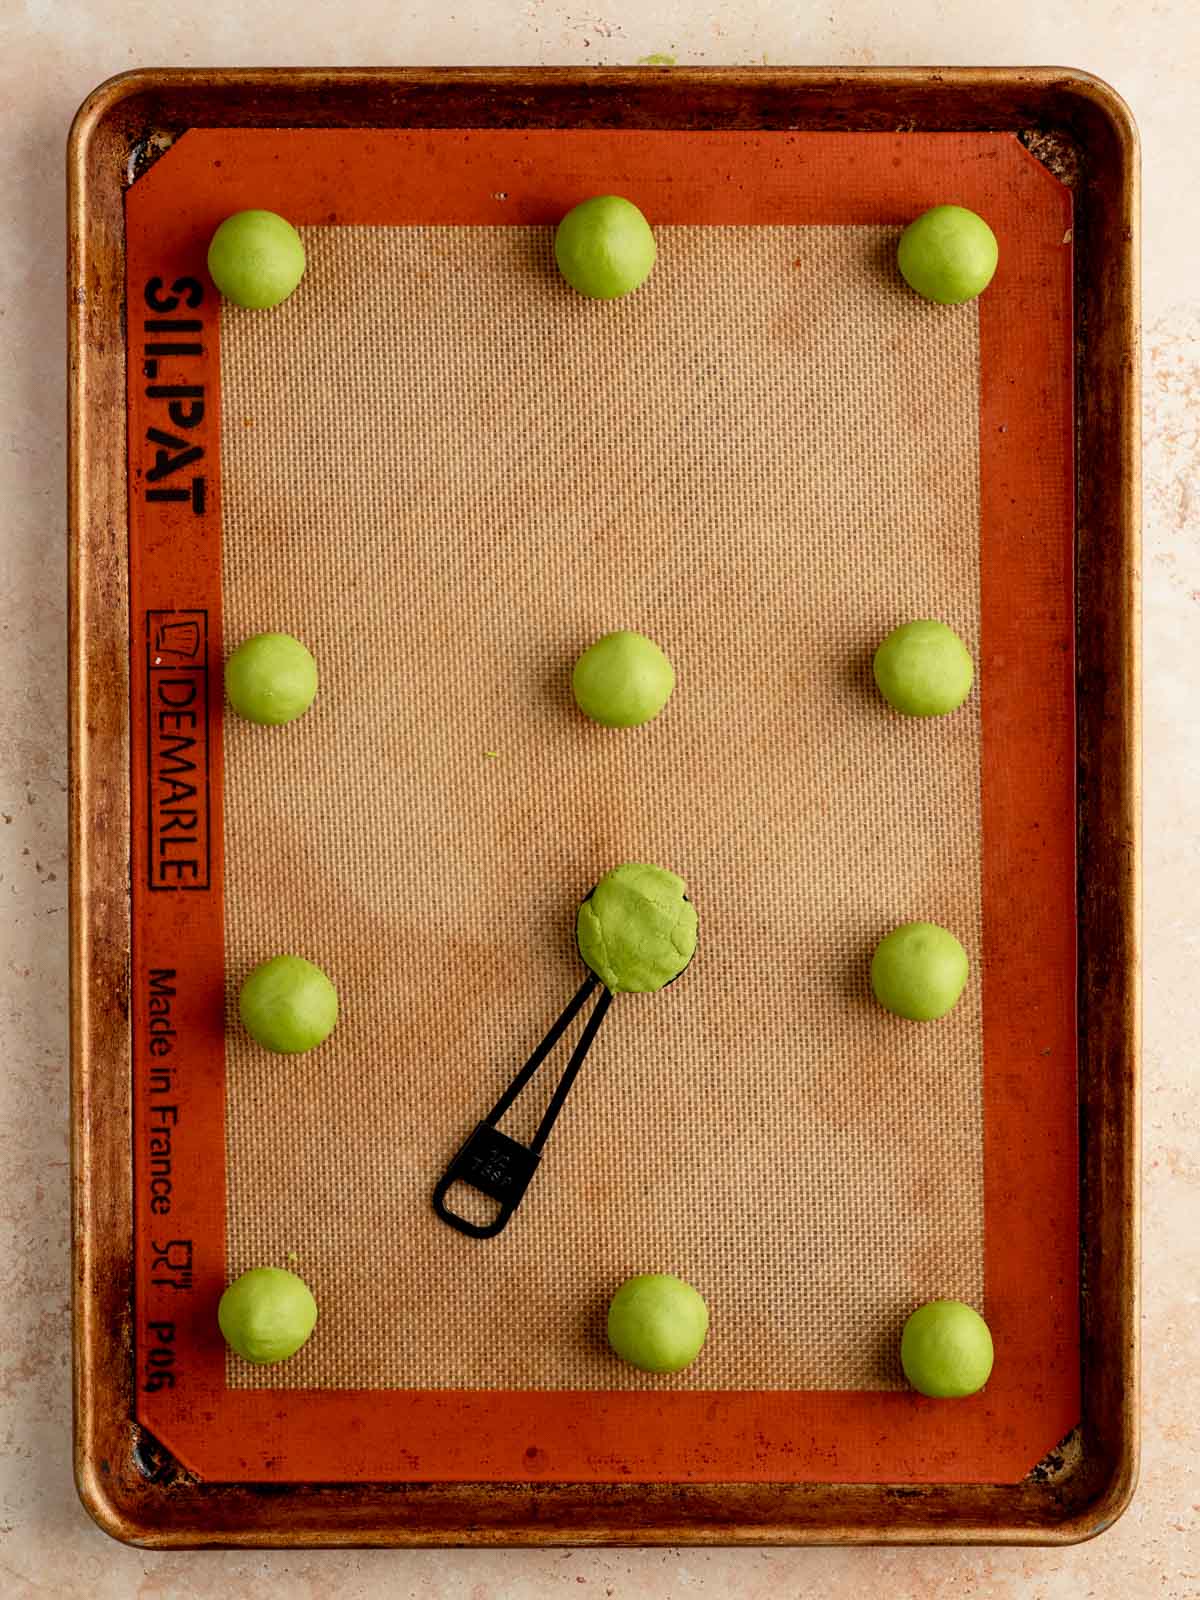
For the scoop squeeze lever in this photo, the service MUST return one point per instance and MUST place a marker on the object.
(498, 1166)
(636, 932)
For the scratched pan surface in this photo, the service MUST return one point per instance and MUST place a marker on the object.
(447, 473)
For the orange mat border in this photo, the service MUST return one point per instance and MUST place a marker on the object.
(1026, 683)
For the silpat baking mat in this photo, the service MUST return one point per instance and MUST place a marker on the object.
(447, 473)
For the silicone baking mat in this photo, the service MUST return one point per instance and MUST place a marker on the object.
(448, 474)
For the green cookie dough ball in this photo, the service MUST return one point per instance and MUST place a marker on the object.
(924, 669)
(948, 254)
(919, 971)
(256, 259)
(288, 1005)
(271, 678)
(622, 680)
(946, 1350)
(267, 1314)
(604, 247)
(657, 1322)
(637, 930)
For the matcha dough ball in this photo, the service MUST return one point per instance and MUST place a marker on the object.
(946, 1350)
(637, 929)
(919, 971)
(622, 680)
(288, 1005)
(604, 247)
(271, 679)
(657, 1322)
(948, 254)
(924, 669)
(267, 1314)
(256, 258)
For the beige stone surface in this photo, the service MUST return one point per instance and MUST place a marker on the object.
(51, 53)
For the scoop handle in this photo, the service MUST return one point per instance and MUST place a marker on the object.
(498, 1166)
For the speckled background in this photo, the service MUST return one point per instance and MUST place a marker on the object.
(51, 53)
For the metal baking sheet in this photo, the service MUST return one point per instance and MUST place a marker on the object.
(769, 473)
